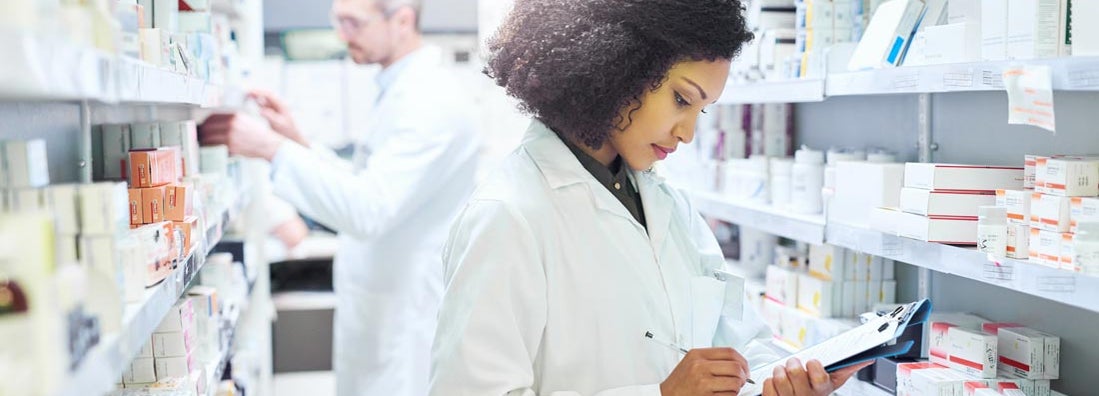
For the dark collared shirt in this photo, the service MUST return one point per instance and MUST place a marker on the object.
(615, 178)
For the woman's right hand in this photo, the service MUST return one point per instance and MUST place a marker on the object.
(707, 371)
(277, 115)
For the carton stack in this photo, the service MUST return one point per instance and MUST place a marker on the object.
(939, 202)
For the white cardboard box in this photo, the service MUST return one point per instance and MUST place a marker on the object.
(179, 318)
(953, 231)
(828, 261)
(173, 344)
(861, 187)
(1029, 170)
(1045, 247)
(141, 371)
(973, 352)
(1021, 355)
(1050, 212)
(994, 30)
(24, 163)
(1068, 252)
(1083, 209)
(816, 297)
(1085, 28)
(174, 367)
(1035, 29)
(103, 209)
(944, 203)
(886, 220)
(144, 135)
(1017, 204)
(777, 285)
(887, 36)
(1018, 241)
(61, 199)
(1071, 176)
(962, 177)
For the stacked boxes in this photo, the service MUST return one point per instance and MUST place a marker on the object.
(940, 201)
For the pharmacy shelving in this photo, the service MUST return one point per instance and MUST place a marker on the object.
(1068, 74)
(43, 69)
(103, 366)
(804, 228)
(1059, 285)
(1063, 286)
(789, 91)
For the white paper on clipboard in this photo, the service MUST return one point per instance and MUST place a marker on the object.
(872, 335)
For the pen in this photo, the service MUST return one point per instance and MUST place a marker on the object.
(649, 335)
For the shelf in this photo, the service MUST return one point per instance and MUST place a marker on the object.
(792, 91)
(103, 366)
(42, 69)
(854, 387)
(804, 228)
(1066, 287)
(1069, 74)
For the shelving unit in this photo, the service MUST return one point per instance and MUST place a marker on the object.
(42, 69)
(105, 363)
(1069, 74)
(804, 228)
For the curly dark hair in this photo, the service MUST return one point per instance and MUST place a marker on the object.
(574, 64)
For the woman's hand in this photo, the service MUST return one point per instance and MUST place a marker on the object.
(810, 380)
(707, 371)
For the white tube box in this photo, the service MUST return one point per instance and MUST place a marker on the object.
(174, 367)
(23, 163)
(817, 297)
(1029, 171)
(1028, 354)
(939, 342)
(1017, 203)
(1035, 27)
(944, 203)
(61, 200)
(1018, 241)
(962, 177)
(104, 209)
(994, 30)
(863, 186)
(174, 344)
(141, 371)
(779, 283)
(1082, 209)
(1070, 176)
(114, 151)
(828, 262)
(973, 352)
(949, 230)
(1050, 212)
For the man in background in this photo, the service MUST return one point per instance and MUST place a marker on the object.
(392, 204)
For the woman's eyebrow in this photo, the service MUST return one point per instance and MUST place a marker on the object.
(700, 91)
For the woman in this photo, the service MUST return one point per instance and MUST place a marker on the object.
(575, 251)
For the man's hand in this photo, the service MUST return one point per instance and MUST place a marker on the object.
(811, 380)
(707, 371)
(277, 114)
(244, 135)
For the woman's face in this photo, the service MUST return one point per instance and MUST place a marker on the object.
(667, 115)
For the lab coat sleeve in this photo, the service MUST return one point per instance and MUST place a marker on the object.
(399, 176)
(494, 310)
(748, 334)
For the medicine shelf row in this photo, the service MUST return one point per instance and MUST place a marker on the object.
(1068, 74)
(43, 69)
(1066, 287)
(805, 228)
(103, 366)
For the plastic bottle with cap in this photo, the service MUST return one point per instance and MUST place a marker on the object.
(992, 230)
(1086, 246)
(807, 179)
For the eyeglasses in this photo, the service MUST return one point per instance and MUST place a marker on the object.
(353, 24)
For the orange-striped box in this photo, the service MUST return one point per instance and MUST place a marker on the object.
(1017, 203)
(1083, 209)
(1050, 212)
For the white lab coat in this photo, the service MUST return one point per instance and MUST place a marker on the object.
(412, 173)
(552, 284)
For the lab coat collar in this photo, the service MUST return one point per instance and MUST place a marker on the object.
(561, 168)
(387, 76)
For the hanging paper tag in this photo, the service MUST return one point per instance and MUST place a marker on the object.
(1030, 96)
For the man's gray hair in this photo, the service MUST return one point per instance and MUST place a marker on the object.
(389, 6)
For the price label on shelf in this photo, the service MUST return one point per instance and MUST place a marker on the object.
(1030, 96)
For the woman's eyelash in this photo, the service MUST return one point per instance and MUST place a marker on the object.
(680, 100)
(705, 112)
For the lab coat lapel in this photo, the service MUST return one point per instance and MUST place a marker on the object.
(561, 168)
(658, 207)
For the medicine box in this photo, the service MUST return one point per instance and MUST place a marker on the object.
(863, 186)
(1022, 353)
(114, 151)
(141, 371)
(1035, 27)
(1029, 171)
(174, 367)
(1017, 204)
(145, 135)
(61, 200)
(1070, 176)
(153, 168)
(994, 23)
(1050, 212)
(1018, 241)
(973, 352)
(944, 203)
(948, 230)
(103, 209)
(173, 344)
(828, 262)
(1082, 209)
(153, 204)
(962, 177)
(181, 316)
(23, 164)
(817, 297)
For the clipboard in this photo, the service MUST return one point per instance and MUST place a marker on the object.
(872, 340)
